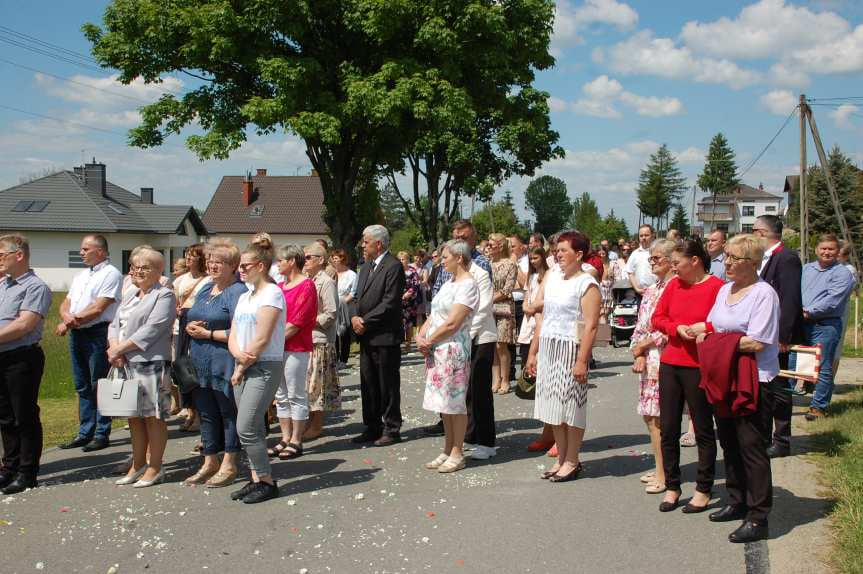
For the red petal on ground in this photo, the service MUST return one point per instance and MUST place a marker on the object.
(459, 562)
(64, 509)
(430, 514)
(366, 461)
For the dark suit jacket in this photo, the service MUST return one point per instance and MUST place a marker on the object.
(783, 271)
(379, 302)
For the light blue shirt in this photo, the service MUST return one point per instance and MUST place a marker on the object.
(826, 290)
(717, 266)
(24, 293)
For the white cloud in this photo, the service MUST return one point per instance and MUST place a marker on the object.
(557, 105)
(787, 76)
(779, 102)
(643, 53)
(842, 116)
(100, 92)
(570, 21)
(602, 93)
(769, 28)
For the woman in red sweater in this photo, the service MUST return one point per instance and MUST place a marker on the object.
(685, 303)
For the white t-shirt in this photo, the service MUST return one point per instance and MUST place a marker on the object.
(612, 255)
(245, 320)
(347, 283)
(101, 281)
(523, 265)
(639, 265)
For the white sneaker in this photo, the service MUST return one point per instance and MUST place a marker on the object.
(481, 452)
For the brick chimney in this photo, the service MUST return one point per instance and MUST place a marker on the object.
(147, 195)
(248, 190)
(261, 172)
(94, 177)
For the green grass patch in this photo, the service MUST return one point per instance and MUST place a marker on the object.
(57, 379)
(60, 420)
(841, 438)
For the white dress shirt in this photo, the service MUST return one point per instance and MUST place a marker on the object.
(101, 281)
(639, 266)
(767, 253)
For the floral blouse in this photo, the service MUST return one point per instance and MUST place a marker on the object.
(644, 329)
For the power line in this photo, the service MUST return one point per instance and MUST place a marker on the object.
(49, 45)
(71, 81)
(773, 139)
(65, 121)
(52, 55)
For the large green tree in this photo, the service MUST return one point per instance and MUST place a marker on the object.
(679, 220)
(849, 187)
(350, 77)
(585, 216)
(660, 185)
(497, 217)
(720, 169)
(547, 198)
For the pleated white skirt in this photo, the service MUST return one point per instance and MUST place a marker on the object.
(559, 399)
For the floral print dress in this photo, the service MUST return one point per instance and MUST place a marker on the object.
(504, 274)
(448, 363)
(648, 395)
(409, 303)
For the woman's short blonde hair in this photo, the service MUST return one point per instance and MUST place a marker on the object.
(752, 246)
(504, 243)
(150, 255)
(664, 246)
(224, 248)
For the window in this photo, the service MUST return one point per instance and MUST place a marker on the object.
(747, 228)
(124, 261)
(257, 211)
(31, 206)
(770, 208)
(75, 261)
(23, 205)
(748, 210)
(722, 227)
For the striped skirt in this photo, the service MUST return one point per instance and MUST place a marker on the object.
(559, 399)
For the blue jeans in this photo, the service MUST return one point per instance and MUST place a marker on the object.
(218, 413)
(89, 350)
(824, 332)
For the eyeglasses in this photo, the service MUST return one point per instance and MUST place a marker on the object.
(140, 269)
(655, 259)
(310, 257)
(5, 253)
(244, 266)
(729, 258)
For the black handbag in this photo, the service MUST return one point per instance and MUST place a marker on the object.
(184, 375)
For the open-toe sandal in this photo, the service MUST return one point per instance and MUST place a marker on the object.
(277, 449)
(292, 450)
(435, 464)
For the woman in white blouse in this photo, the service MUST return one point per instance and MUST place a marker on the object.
(347, 290)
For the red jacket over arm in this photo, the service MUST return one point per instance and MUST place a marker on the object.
(729, 378)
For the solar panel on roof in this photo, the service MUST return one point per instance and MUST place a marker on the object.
(38, 206)
(23, 205)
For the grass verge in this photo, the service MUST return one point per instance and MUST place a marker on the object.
(841, 438)
(60, 420)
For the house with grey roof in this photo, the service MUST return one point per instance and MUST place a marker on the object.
(288, 207)
(55, 211)
(737, 211)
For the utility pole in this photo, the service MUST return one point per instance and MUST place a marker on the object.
(804, 204)
(834, 197)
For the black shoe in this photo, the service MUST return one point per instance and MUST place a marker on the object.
(433, 430)
(750, 531)
(6, 477)
(261, 491)
(776, 451)
(690, 508)
(20, 484)
(388, 439)
(97, 443)
(239, 494)
(728, 513)
(367, 436)
(669, 506)
(76, 442)
(572, 475)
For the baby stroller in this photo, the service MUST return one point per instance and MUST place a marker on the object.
(624, 314)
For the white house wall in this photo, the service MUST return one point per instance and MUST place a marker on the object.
(49, 255)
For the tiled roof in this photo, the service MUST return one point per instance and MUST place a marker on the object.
(74, 207)
(281, 204)
(743, 192)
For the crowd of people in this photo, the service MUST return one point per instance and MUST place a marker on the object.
(270, 327)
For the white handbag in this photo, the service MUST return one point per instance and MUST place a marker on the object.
(117, 396)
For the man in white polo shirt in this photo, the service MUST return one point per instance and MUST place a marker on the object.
(85, 315)
(638, 266)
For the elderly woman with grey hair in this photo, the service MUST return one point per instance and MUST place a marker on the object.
(445, 341)
(139, 341)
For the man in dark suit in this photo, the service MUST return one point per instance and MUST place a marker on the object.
(781, 268)
(379, 328)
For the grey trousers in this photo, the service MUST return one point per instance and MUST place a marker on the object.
(254, 396)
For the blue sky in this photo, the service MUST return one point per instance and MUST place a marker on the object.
(629, 76)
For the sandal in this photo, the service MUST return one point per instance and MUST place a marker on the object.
(277, 449)
(648, 478)
(451, 465)
(687, 439)
(436, 463)
(200, 477)
(504, 390)
(655, 488)
(291, 450)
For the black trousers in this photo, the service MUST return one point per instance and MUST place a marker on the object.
(676, 386)
(480, 399)
(343, 343)
(747, 467)
(380, 388)
(513, 355)
(20, 427)
(776, 411)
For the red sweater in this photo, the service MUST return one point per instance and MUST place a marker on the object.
(683, 304)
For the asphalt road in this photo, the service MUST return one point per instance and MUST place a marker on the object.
(348, 509)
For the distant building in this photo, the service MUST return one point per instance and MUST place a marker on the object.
(289, 208)
(736, 212)
(56, 211)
